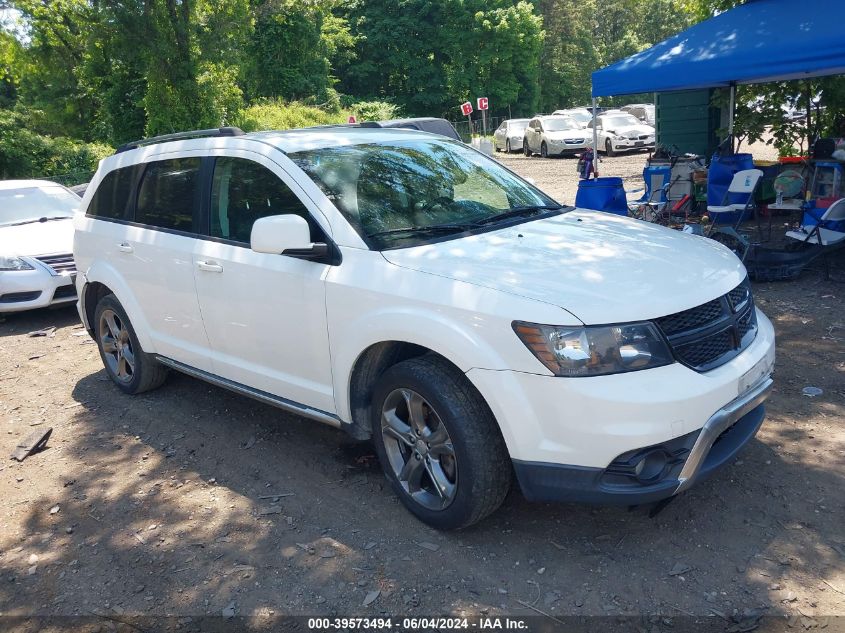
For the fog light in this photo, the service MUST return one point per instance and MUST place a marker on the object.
(651, 466)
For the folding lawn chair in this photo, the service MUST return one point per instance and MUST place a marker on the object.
(745, 183)
(820, 234)
(820, 238)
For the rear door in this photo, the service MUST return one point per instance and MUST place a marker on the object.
(265, 314)
(153, 253)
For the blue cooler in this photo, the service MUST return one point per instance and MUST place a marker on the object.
(602, 194)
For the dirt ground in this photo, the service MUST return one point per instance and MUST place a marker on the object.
(190, 500)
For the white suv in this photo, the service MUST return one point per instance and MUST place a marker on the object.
(407, 288)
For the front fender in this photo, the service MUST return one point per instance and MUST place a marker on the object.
(426, 328)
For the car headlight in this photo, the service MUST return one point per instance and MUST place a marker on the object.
(13, 263)
(595, 350)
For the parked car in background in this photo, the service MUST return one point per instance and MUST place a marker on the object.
(423, 124)
(79, 190)
(36, 241)
(643, 111)
(413, 291)
(553, 135)
(582, 115)
(620, 131)
(508, 136)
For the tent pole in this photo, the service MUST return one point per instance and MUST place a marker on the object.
(731, 112)
(595, 138)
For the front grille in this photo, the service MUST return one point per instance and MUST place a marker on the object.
(573, 141)
(713, 333)
(691, 319)
(59, 264)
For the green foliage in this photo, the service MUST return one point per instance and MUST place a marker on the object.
(277, 115)
(10, 71)
(25, 154)
(375, 110)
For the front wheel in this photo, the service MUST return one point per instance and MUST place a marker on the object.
(544, 150)
(508, 146)
(525, 149)
(608, 148)
(438, 443)
(128, 366)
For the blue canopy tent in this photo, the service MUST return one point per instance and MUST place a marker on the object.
(756, 42)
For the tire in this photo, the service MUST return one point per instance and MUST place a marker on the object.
(508, 146)
(544, 150)
(608, 148)
(467, 454)
(496, 146)
(134, 372)
(525, 149)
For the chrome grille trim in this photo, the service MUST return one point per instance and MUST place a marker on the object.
(59, 264)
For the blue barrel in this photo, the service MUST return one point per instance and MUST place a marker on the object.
(720, 174)
(602, 194)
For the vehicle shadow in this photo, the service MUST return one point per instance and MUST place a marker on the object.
(16, 323)
(190, 500)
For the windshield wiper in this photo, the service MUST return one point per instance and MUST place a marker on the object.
(518, 211)
(432, 228)
(44, 219)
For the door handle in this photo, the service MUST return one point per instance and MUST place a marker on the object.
(125, 247)
(210, 267)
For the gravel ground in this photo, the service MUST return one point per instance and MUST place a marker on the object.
(190, 500)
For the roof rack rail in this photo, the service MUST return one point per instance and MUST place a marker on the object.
(216, 131)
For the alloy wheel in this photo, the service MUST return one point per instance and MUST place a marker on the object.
(116, 345)
(419, 449)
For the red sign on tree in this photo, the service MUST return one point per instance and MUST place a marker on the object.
(482, 103)
(466, 108)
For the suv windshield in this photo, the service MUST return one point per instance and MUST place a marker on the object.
(407, 192)
(31, 204)
(560, 124)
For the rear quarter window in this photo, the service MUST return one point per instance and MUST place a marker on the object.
(111, 200)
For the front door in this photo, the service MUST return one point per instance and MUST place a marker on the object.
(265, 314)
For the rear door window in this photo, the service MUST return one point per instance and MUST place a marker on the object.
(111, 200)
(168, 192)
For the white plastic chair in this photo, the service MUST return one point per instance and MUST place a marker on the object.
(744, 182)
(819, 234)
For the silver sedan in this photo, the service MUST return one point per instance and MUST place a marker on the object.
(508, 136)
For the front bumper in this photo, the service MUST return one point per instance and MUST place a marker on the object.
(566, 149)
(632, 144)
(581, 438)
(718, 442)
(31, 289)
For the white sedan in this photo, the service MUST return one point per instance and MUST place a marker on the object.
(36, 244)
(508, 136)
(619, 131)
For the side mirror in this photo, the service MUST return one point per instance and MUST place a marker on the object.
(285, 234)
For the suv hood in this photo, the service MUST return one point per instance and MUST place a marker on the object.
(602, 268)
(37, 238)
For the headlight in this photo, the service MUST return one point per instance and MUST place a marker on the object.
(595, 351)
(13, 263)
